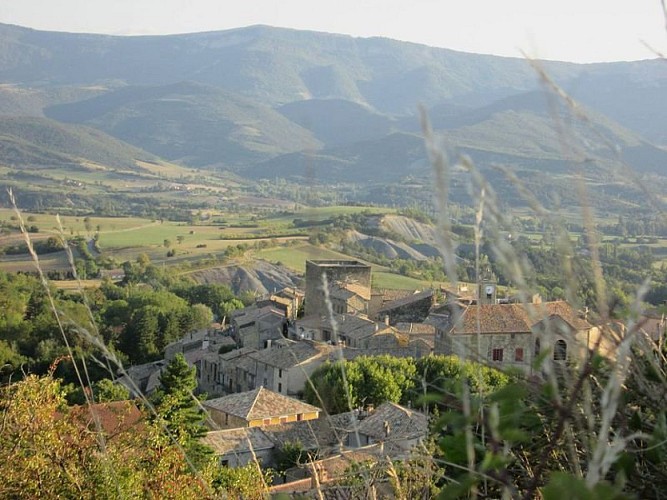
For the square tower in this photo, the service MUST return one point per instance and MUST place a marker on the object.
(336, 271)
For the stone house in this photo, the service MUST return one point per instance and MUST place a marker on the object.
(142, 380)
(413, 308)
(234, 368)
(390, 423)
(513, 335)
(381, 297)
(421, 336)
(239, 447)
(257, 408)
(349, 298)
(285, 367)
(332, 330)
(256, 327)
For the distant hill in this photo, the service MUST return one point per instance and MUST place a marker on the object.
(277, 66)
(271, 102)
(336, 121)
(192, 123)
(378, 160)
(525, 131)
(31, 141)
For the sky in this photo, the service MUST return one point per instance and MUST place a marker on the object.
(569, 30)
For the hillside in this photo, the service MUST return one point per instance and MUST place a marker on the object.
(378, 160)
(260, 277)
(32, 141)
(336, 121)
(269, 102)
(193, 123)
(278, 66)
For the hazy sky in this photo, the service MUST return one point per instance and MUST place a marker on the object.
(573, 30)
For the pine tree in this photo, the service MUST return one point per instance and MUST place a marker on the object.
(179, 410)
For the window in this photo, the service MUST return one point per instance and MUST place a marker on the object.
(518, 354)
(537, 347)
(497, 355)
(299, 416)
(267, 421)
(560, 351)
(280, 373)
(280, 387)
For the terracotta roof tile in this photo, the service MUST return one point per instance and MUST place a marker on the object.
(512, 318)
(259, 404)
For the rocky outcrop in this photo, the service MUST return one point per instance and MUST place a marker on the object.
(260, 277)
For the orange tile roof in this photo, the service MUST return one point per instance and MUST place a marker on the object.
(515, 318)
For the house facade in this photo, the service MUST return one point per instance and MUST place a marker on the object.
(257, 408)
(514, 335)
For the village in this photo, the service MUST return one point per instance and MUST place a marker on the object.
(254, 368)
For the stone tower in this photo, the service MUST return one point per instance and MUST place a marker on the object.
(346, 271)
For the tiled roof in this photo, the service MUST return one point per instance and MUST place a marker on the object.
(514, 318)
(390, 295)
(392, 422)
(259, 404)
(423, 341)
(337, 465)
(289, 356)
(253, 314)
(242, 440)
(233, 354)
(322, 434)
(348, 290)
(347, 323)
(367, 331)
(404, 301)
(112, 418)
(566, 312)
(415, 328)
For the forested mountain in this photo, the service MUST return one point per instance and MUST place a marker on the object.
(32, 141)
(273, 102)
(193, 123)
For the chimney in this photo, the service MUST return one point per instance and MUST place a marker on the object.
(386, 319)
(205, 344)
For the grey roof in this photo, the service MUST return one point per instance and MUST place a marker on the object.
(404, 301)
(415, 328)
(322, 434)
(348, 323)
(392, 422)
(236, 353)
(290, 355)
(259, 404)
(363, 331)
(253, 314)
(242, 440)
